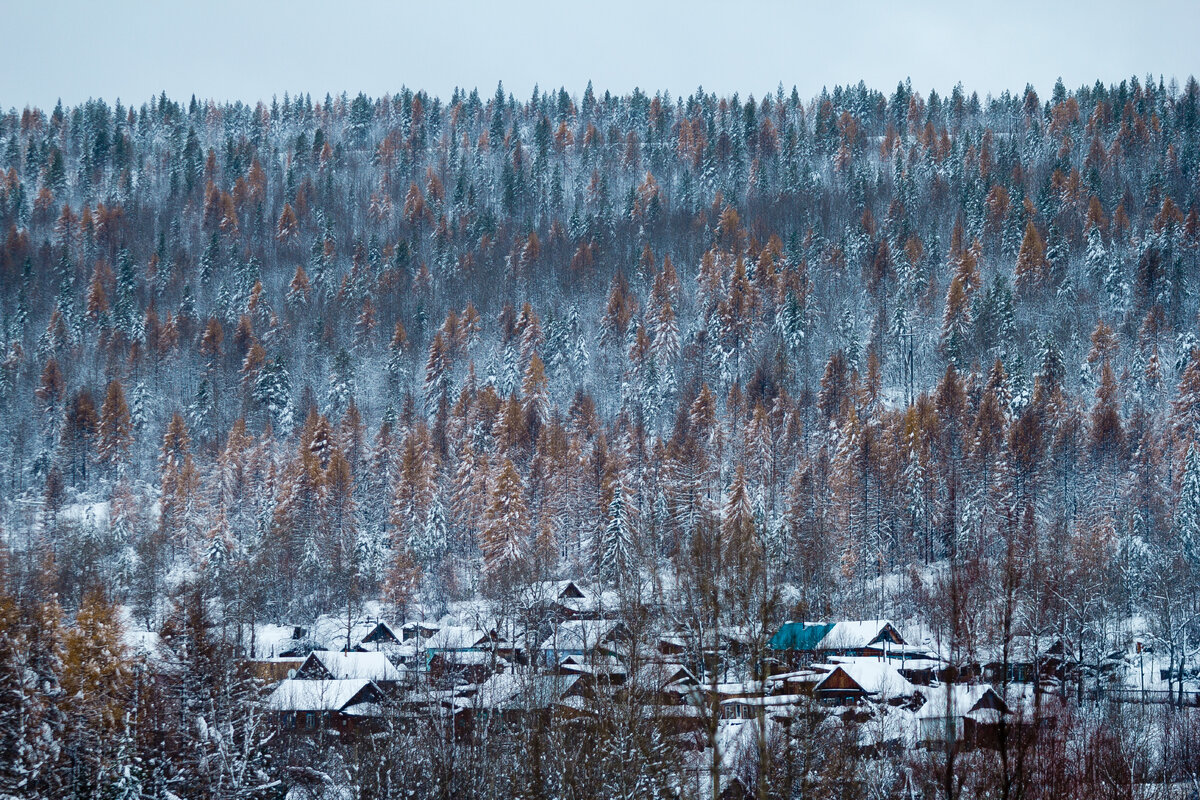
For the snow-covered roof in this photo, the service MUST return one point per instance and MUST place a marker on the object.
(458, 637)
(465, 658)
(271, 640)
(566, 591)
(843, 635)
(987, 716)
(335, 695)
(953, 700)
(333, 633)
(368, 666)
(879, 678)
(918, 663)
(598, 665)
(660, 676)
(579, 634)
(767, 701)
(798, 676)
(1022, 649)
(511, 690)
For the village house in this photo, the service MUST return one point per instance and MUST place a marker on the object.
(463, 654)
(321, 665)
(960, 713)
(802, 643)
(855, 680)
(1027, 659)
(584, 639)
(556, 600)
(515, 696)
(417, 632)
(345, 707)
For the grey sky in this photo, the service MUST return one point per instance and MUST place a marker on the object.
(248, 50)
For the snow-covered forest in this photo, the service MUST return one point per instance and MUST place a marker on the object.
(724, 362)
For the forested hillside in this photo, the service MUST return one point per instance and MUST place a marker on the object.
(868, 355)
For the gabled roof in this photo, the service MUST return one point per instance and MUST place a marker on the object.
(565, 594)
(878, 678)
(1024, 649)
(458, 637)
(329, 632)
(344, 666)
(336, 695)
(559, 590)
(660, 676)
(844, 635)
(381, 633)
(959, 700)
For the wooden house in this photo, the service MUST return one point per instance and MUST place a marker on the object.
(516, 696)
(412, 632)
(663, 684)
(380, 635)
(1027, 659)
(801, 643)
(857, 681)
(462, 654)
(454, 667)
(958, 713)
(324, 665)
(464, 638)
(584, 640)
(313, 706)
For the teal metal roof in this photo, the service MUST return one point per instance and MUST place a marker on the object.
(800, 635)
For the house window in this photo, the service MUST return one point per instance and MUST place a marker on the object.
(310, 720)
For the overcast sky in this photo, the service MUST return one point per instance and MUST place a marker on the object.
(247, 50)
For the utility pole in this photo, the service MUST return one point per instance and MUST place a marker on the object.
(1142, 670)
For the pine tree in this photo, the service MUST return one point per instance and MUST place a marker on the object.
(78, 435)
(740, 538)
(1096, 257)
(956, 320)
(414, 490)
(341, 383)
(505, 537)
(1107, 434)
(470, 492)
(1187, 508)
(272, 390)
(614, 543)
(437, 373)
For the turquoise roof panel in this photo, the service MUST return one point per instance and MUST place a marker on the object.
(800, 635)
